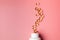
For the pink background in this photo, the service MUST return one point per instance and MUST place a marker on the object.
(18, 16)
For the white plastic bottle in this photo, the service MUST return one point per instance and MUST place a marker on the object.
(34, 36)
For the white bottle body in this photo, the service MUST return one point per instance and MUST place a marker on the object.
(35, 36)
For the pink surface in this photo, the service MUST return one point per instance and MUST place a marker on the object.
(17, 17)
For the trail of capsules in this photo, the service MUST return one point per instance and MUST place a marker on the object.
(40, 16)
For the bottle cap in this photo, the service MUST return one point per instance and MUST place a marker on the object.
(34, 35)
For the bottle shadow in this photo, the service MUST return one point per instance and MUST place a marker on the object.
(41, 37)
